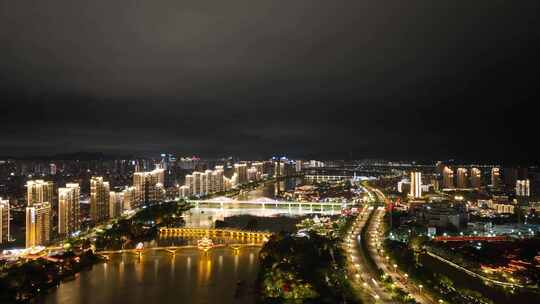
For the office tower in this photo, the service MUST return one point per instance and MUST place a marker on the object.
(38, 223)
(99, 199)
(4, 221)
(146, 184)
(462, 178)
(523, 187)
(241, 171)
(496, 177)
(197, 187)
(416, 184)
(69, 209)
(39, 191)
(129, 196)
(476, 178)
(448, 178)
(115, 204)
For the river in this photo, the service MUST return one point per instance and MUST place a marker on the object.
(190, 276)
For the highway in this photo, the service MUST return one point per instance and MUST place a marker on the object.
(375, 235)
(363, 279)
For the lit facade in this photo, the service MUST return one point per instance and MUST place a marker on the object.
(496, 177)
(116, 200)
(99, 199)
(149, 185)
(523, 188)
(462, 177)
(448, 178)
(39, 191)
(416, 185)
(38, 224)
(69, 209)
(241, 172)
(129, 197)
(4, 221)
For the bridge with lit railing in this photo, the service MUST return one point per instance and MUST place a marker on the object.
(264, 202)
(254, 238)
(210, 232)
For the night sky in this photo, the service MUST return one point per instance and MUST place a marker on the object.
(326, 79)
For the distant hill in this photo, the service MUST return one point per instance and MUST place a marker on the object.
(85, 156)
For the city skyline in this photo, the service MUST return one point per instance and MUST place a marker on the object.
(241, 152)
(445, 80)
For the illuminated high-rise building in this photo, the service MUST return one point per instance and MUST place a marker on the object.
(210, 182)
(190, 184)
(38, 224)
(252, 174)
(39, 191)
(4, 221)
(476, 178)
(496, 177)
(298, 166)
(52, 168)
(204, 183)
(259, 166)
(184, 191)
(69, 209)
(523, 188)
(277, 168)
(462, 178)
(416, 184)
(99, 199)
(197, 187)
(147, 184)
(241, 171)
(129, 196)
(116, 200)
(448, 178)
(218, 178)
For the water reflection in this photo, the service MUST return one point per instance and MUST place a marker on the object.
(160, 277)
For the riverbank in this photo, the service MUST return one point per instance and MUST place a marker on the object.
(304, 269)
(24, 281)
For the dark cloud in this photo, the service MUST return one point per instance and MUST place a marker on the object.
(399, 79)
